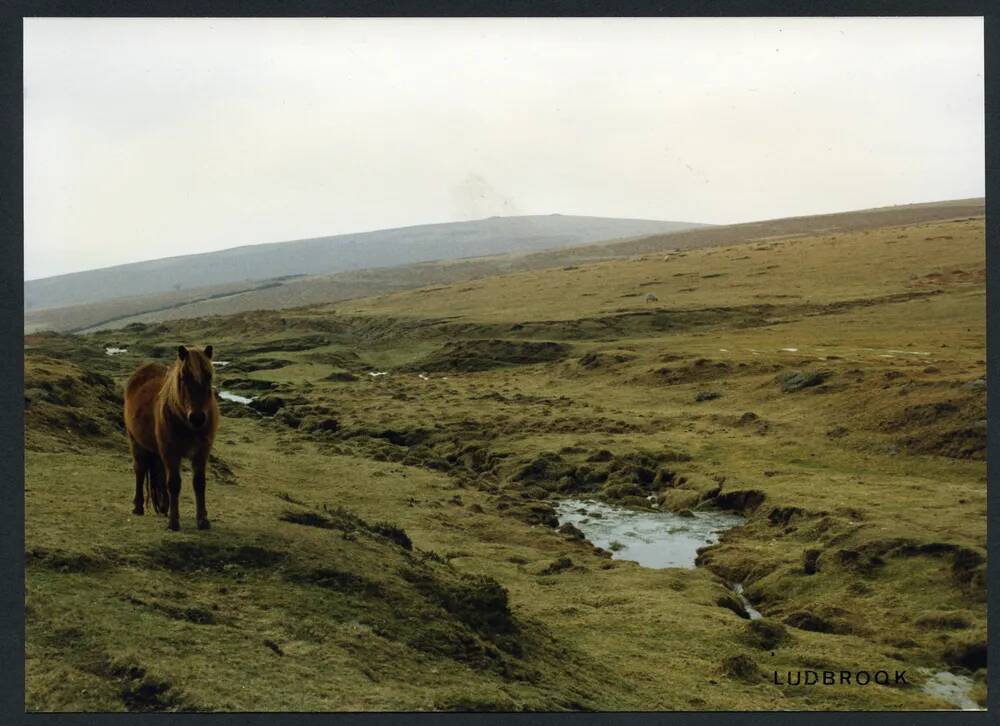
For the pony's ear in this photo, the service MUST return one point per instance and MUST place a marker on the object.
(182, 352)
(208, 352)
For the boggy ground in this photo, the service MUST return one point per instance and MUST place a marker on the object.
(388, 542)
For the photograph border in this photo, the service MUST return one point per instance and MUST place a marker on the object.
(11, 346)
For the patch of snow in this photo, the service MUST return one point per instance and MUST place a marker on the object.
(376, 374)
(111, 350)
(791, 350)
(220, 363)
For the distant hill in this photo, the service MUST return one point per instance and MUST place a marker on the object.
(277, 294)
(340, 253)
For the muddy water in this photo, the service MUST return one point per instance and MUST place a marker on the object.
(653, 539)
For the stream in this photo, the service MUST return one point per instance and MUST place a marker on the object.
(666, 539)
(951, 687)
(234, 397)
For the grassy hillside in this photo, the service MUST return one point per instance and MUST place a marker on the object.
(387, 542)
(326, 255)
(314, 289)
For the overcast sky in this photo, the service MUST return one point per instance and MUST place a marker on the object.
(146, 138)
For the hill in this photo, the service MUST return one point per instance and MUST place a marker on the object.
(327, 255)
(314, 289)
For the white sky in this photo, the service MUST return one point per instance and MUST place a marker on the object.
(146, 138)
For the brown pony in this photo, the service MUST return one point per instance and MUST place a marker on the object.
(171, 414)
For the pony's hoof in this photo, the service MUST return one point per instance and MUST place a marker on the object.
(174, 526)
(138, 510)
(203, 524)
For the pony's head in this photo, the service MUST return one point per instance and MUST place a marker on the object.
(192, 385)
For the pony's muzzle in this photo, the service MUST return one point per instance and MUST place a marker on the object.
(197, 419)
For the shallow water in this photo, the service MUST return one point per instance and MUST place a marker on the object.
(750, 611)
(235, 397)
(653, 539)
(952, 688)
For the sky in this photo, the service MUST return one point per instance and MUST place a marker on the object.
(147, 138)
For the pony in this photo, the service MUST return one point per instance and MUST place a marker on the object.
(171, 414)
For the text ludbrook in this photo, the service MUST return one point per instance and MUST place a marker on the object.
(839, 678)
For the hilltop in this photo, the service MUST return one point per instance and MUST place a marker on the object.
(338, 253)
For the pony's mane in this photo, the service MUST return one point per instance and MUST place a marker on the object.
(200, 368)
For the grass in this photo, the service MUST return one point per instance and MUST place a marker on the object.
(404, 559)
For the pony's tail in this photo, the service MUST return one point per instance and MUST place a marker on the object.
(155, 490)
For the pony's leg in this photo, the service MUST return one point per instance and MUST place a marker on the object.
(140, 468)
(173, 468)
(198, 464)
(158, 485)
